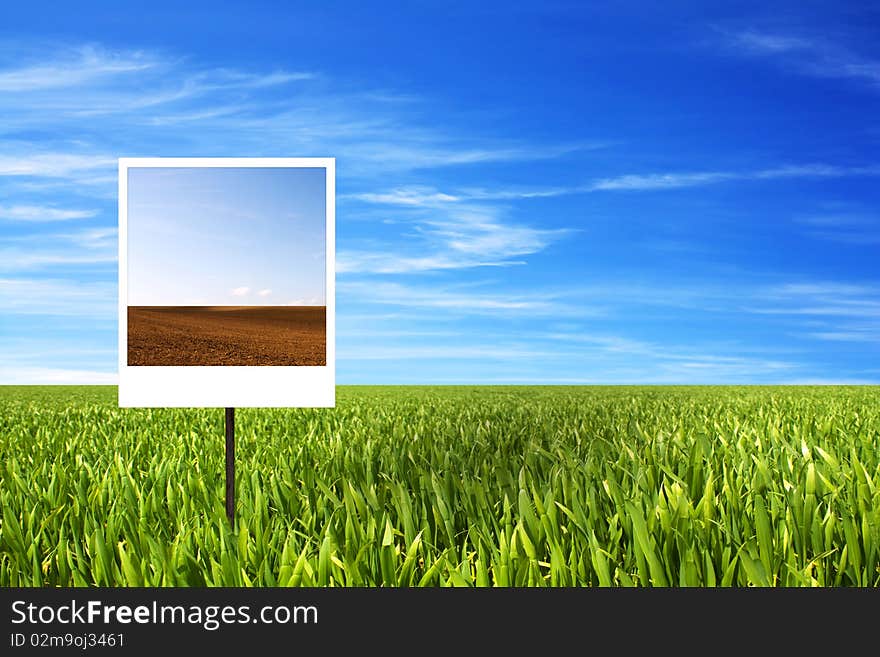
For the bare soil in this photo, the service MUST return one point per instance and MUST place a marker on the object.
(227, 335)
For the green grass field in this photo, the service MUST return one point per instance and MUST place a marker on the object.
(485, 486)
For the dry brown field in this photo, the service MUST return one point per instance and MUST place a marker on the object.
(227, 335)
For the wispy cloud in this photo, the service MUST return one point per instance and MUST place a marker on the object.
(264, 293)
(821, 299)
(444, 352)
(674, 180)
(240, 291)
(236, 111)
(850, 229)
(88, 238)
(430, 152)
(32, 296)
(869, 334)
(458, 237)
(481, 232)
(26, 360)
(812, 56)
(675, 357)
(423, 196)
(84, 247)
(53, 165)
(38, 213)
(416, 195)
(652, 181)
(114, 81)
(460, 228)
(16, 259)
(390, 262)
(580, 357)
(103, 239)
(762, 42)
(453, 299)
(72, 68)
(24, 350)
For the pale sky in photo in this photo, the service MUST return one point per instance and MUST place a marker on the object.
(224, 236)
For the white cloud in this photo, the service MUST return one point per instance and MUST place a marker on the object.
(196, 115)
(578, 357)
(427, 196)
(18, 350)
(829, 309)
(17, 259)
(673, 180)
(763, 43)
(864, 334)
(113, 81)
(660, 181)
(824, 299)
(104, 238)
(851, 229)
(814, 170)
(58, 297)
(434, 153)
(816, 57)
(42, 213)
(239, 291)
(455, 300)
(477, 232)
(443, 352)
(72, 68)
(375, 132)
(41, 250)
(416, 195)
(390, 262)
(824, 289)
(455, 236)
(230, 78)
(836, 220)
(675, 357)
(423, 196)
(60, 165)
(264, 293)
(509, 194)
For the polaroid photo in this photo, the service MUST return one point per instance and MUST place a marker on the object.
(226, 282)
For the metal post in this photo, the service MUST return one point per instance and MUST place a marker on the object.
(230, 465)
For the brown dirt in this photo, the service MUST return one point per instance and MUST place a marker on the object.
(227, 335)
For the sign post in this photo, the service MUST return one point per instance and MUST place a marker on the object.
(227, 286)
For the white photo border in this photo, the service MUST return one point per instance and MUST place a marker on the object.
(229, 386)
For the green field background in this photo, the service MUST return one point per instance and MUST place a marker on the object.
(435, 486)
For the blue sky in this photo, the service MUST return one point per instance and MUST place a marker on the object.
(526, 192)
(218, 236)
